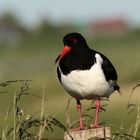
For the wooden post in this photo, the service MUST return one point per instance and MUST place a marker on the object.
(102, 133)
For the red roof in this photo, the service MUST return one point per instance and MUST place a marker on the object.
(109, 24)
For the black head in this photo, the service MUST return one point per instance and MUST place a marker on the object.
(74, 39)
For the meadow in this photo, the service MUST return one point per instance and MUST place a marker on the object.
(32, 59)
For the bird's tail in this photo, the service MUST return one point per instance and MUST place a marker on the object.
(117, 87)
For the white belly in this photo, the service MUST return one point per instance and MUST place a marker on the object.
(87, 84)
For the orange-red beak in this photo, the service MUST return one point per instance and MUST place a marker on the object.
(65, 50)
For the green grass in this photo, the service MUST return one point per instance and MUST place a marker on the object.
(55, 105)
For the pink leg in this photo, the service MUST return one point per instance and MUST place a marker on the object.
(80, 114)
(95, 125)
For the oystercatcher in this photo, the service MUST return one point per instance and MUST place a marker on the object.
(85, 73)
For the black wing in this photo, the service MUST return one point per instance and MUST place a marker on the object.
(108, 69)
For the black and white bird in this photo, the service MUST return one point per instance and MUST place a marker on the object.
(85, 73)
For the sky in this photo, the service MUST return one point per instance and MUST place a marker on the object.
(32, 11)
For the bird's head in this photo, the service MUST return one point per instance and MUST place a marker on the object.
(71, 41)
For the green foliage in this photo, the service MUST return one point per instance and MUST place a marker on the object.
(26, 126)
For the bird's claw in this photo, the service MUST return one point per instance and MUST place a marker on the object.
(77, 129)
(96, 126)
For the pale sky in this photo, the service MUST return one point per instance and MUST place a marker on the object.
(31, 11)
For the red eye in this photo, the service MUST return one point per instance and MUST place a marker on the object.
(74, 40)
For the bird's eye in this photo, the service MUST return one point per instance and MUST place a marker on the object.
(74, 40)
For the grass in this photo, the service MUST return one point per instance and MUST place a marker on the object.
(130, 132)
(27, 126)
(22, 124)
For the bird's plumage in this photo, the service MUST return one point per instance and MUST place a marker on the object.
(85, 73)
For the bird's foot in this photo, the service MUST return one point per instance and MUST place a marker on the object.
(77, 129)
(96, 126)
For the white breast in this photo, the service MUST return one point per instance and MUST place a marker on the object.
(87, 84)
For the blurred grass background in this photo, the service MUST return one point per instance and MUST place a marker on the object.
(29, 54)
